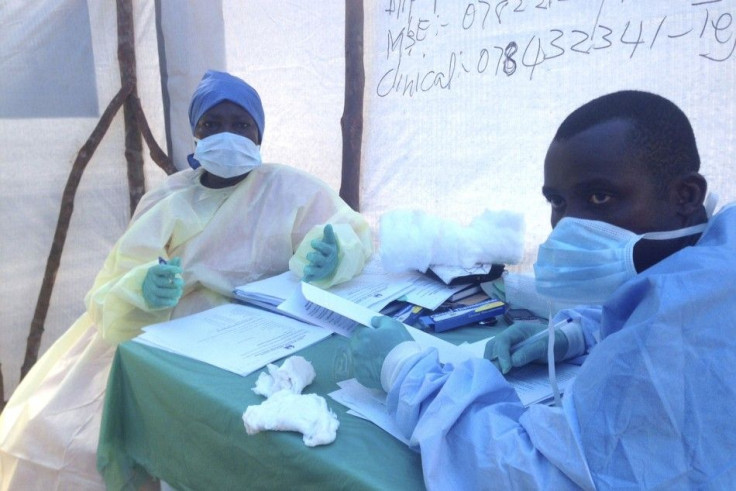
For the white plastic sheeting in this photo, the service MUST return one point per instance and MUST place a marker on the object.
(291, 52)
(462, 99)
(39, 147)
(465, 97)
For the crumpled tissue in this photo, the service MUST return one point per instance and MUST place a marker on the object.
(293, 375)
(287, 409)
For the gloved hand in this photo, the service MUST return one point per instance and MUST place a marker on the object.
(498, 349)
(323, 259)
(162, 287)
(369, 348)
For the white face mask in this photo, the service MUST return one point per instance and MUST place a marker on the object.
(585, 261)
(227, 154)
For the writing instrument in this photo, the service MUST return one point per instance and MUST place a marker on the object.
(540, 335)
(462, 316)
(162, 260)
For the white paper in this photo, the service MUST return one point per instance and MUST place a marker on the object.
(273, 290)
(532, 381)
(337, 304)
(447, 352)
(476, 349)
(531, 385)
(373, 288)
(235, 337)
(430, 293)
(367, 404)
(300, 307)
(449, 273)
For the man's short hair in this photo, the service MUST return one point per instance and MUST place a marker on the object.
(662, 139)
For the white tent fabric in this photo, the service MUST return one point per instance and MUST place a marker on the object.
(43, 42)
(461, 101)
(465, 97)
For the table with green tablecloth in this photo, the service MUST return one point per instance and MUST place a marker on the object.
(180, 420)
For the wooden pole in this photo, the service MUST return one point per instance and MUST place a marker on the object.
(154, 150)
(133, 141)
(352, 118)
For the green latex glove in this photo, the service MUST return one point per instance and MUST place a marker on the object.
(323, 259)
(162, 286)
(369, 347)
(498, 349)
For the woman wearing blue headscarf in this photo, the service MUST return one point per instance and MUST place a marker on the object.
(227, 221)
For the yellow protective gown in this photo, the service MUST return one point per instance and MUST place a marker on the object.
(225, 237)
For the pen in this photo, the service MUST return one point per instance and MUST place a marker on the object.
(162, 260)
(540, 335)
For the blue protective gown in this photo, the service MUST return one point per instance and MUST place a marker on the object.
(652, 406)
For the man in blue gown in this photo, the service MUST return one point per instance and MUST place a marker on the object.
(651, 406)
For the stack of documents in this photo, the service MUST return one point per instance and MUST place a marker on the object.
(243, 339)
(269, 292)
(373, 289)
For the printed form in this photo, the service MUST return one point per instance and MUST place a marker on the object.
(253, 337)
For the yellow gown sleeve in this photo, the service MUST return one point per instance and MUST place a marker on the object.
(118, 308)
(354, 246)
(115, 301)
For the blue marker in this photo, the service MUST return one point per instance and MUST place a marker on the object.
(540, 335)
(162, 260)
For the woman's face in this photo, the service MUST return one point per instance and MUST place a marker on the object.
(227, 117)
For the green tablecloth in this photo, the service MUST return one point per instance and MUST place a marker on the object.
(180, 420)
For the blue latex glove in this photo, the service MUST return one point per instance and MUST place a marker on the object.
(498, 349)
(162, 286)
(323, 259)
(369, 348)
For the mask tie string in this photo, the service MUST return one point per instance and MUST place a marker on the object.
(551, 358)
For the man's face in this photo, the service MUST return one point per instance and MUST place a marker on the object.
(593, 176)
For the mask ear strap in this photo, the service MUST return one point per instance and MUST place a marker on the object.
(551, 357)
(675, 234)
(711, 200)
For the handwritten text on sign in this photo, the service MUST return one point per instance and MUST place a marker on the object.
(428, 44)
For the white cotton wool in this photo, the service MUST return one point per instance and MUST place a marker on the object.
(293, 375)
(285, 411)
(415, 240)
(403, 234)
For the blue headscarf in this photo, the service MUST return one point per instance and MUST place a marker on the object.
(216, 87)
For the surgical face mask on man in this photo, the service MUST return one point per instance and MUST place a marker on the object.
(585, 261)
(227, 155)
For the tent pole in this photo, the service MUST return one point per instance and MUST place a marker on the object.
(133, 142)
(352, 118)
(135, 120)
